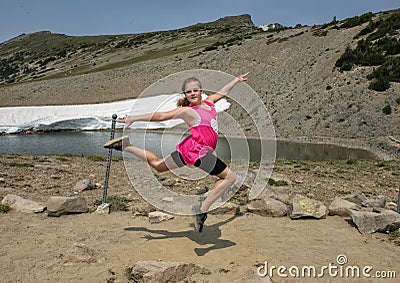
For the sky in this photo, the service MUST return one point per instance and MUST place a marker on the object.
(100, 17)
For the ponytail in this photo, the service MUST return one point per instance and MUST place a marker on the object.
(182, 102)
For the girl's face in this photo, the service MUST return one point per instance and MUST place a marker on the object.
(193, 92)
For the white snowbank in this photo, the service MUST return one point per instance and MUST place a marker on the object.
(89, 116)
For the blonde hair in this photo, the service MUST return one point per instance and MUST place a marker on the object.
(182, 102)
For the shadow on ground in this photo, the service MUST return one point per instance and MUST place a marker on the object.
(210, 235)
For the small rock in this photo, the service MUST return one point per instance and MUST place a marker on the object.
(83, 185)
(23, 205)
(158, 216)
(305, 207)
(103, 208)
(391, 206)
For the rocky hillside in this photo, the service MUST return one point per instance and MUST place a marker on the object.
(293, 70)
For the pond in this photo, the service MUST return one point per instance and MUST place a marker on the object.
(91, 143)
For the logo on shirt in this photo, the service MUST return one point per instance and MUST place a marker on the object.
(214, 125)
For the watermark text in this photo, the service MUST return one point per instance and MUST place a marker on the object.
(339, 269)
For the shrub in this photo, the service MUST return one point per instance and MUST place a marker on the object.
(346, 61)
(357, 20)
(387, 110)
(377, 49)
(17, 164)
(210, 48)
(96, 157)
(274, 182)
(379, 84)
(4, 208)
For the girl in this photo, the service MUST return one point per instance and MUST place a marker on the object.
(201, 117)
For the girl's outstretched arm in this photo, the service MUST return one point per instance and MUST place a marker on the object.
(227, 88)
(178, 113)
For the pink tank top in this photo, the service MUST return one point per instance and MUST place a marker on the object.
(204, 135)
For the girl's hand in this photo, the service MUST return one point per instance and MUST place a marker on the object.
(122, 120)
(125, 120)
(243, 77)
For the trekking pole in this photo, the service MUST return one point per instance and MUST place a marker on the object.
(109, 157)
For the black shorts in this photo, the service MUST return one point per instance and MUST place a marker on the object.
(209, 163)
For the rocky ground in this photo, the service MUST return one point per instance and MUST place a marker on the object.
(103, 248)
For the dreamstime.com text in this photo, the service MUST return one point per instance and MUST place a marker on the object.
(340, 270)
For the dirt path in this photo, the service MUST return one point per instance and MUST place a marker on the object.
(36, 248)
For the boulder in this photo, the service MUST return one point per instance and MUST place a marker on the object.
(59, 205)
(341, 207)
(23, 205)
(368, 222)
(268, 207)
(160, 272)
(305, 207)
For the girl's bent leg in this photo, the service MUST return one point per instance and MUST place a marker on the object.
(153, 160)
(226, 181)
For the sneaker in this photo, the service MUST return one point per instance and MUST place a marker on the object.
(199, 218)
(118, 143)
